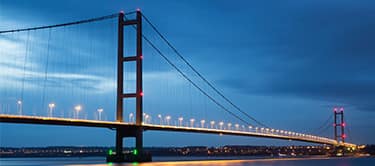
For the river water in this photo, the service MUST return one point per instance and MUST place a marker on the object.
(190, 161)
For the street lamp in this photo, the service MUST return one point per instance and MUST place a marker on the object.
(77, 108)
(221, 125)
(180, 119)
(202, 123)
(161, 119)
(167, 118)
(250, 127)
(212, 124)
(100, 110)
(146, 118)
(51, 106)
(131, 115)
(229, 126)
(19, 105)
(237, 126)
(192, 122)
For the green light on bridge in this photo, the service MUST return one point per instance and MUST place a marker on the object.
(110, 152)
(135, 152)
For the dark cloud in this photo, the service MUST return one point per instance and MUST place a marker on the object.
(327, 54)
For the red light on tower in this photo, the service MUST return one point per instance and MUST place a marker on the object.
(122, 12)
(343, 124)
(141, 57)
(341, 109)
(343, 136)
(335, 109)
(141, 94)
(138, 9)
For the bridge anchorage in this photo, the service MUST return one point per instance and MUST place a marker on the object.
(138, 154)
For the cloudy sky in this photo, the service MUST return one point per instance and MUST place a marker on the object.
(287, 63)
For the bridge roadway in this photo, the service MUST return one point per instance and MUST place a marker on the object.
(129, 126)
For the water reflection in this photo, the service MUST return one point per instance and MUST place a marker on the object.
(168, 161)
(258, 162)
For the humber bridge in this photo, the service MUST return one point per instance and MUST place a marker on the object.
(68, 81)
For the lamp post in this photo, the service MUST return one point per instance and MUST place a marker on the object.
(229, 126)
(180, 119)
(212, 123)
(168, 118)
(147, 118)
(237, 126)
(19, 105)
(100, 110)
(51, 106)
(202, 123)
(77, 108)
(131, 115)
(221, 125)
(161, 119)
(192, 122)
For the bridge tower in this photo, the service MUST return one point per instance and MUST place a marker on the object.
(339, 123)
(339, 132)
(138, 155)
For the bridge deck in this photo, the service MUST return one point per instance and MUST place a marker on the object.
(125, 126)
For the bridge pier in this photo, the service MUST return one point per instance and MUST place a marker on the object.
(139, 139)
(135, 155)
(340, 151)
(119, 142)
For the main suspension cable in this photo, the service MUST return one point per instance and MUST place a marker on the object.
(66, 24)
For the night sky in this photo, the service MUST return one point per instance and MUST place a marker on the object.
(287, 63)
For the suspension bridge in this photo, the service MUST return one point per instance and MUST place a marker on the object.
(45, 68)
